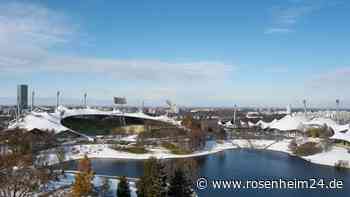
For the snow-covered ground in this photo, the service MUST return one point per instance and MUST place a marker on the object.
(329, 158)
(69, 178)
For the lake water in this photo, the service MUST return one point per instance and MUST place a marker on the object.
(243, 165)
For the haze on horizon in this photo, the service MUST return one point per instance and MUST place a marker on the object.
(201, 53)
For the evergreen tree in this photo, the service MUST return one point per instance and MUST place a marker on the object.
(162, 176)
(180, 186)
(104, 189)
(153, 183)
(141, 186)
(123, 188)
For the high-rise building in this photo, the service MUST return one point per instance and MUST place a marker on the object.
(22, 97)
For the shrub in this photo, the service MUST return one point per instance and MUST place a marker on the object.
(137, 149)
(175, 149)
(293, 146)
(130, 149)
(309, 148)
(341, 164)
(123, 188)
(322, 132)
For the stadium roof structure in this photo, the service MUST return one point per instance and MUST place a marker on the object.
(301, 122)
(52, 121)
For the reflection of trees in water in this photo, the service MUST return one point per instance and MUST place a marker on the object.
(222, 156)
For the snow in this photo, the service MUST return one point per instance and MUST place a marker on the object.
(42, 121)
(342, 136)
(52, 121)
(330, 123)
(228, 124)
(103, 151)
(263, 125)
(69, 177)
(289, 123)
(301, 122)
(331, 157)
(130, 138)
(250, 124)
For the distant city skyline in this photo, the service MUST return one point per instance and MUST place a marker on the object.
(135, 102)
(195, 53)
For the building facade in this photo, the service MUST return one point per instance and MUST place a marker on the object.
(22, 97)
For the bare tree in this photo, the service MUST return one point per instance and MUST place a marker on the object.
(19, 177)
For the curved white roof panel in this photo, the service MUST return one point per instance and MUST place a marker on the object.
(342, 136)
(289, 123)
(52, 121)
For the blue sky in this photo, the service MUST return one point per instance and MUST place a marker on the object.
(202, 53)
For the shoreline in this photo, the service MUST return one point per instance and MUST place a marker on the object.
(102, 151)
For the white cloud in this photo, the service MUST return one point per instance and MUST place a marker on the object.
(277, 30)
(30, 33)
(27, 32)
(285, 18)
(291, 15)
(149, 70)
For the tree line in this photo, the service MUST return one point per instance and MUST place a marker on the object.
(159, 180)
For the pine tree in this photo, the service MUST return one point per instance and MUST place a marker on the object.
(123, 188)
(153, 183)
(104, 189)
(141, 186)
(180, 185)
(82, 185)
(162, 176)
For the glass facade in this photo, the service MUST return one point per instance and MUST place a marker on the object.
(22, 97)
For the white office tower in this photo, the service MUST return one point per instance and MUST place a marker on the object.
(289, 109)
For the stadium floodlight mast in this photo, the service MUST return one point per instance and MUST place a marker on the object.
(143, 106)
(305, 109)
(58, 99)
(337, 109)
(32, 103)
(17, 113)
(234, 114)
(85, 100)
(120, 101)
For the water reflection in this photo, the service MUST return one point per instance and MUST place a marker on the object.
(243, 165)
